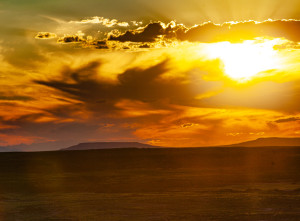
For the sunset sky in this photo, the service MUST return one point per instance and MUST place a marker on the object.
(167, 73)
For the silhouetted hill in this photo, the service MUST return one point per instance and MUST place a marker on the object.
(270, 141)
(108, 145)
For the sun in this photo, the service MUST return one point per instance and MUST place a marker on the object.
(243, 61)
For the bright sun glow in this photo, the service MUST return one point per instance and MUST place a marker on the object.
(244, 60)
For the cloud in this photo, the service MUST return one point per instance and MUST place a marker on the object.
(70, 38)
(103, 21)
(137, 23)
(161, 35)
(288, 45)
(240, 31)
(145, 46)
(98, 44)
(147, 34)
(210, 32)
(286, 120)
(78, 37)
(82, 84)
(145, 103)
(79, 128)
(146, 85)
(45, 35)
(142, 103)
(15, 139)
(15, 98)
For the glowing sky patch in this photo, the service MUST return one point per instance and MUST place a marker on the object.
(245, 60)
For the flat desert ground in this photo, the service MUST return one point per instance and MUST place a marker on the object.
(152, 184)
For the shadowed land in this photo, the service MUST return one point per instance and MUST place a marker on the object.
(152, 184)
(260, 142)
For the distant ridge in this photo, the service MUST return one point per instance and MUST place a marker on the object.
(269, 142)
(108, 145)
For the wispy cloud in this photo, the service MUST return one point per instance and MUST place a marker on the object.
(102, 21)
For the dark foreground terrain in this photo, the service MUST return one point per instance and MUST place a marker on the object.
(152, 184)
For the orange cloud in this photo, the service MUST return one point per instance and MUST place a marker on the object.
(8, 140)
(170, 106)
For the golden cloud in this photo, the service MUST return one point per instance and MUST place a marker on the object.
(102, 21)
(210, 32)
(160, 35)
(45, 35)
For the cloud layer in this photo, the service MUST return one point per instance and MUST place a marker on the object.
(158, 34)
(153, 83)
(210, 32)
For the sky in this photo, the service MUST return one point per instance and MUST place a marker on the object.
(167, 73)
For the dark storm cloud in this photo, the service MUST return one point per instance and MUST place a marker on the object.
(136, 84)
(132, 84)
(148, 34)
(210, 32)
